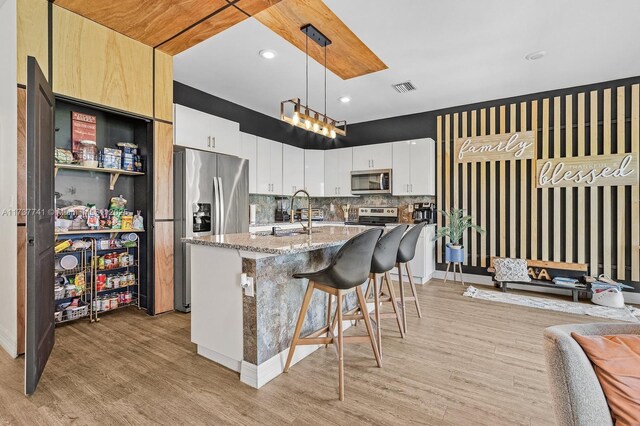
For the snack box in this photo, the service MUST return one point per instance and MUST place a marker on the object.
(111, 158)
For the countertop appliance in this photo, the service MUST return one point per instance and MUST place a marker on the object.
(371, 182)
(211, 196)
(282, 209)
(316, 214)
(377, 216)
(424, 212)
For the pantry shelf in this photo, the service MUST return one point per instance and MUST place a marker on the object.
(98, 231)
(115, 173)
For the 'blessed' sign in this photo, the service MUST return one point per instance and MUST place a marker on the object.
(506, 146)
(595, 170)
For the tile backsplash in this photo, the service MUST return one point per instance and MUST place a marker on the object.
(266, 205)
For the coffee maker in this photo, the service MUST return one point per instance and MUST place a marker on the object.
(282, 209)
(424, 212)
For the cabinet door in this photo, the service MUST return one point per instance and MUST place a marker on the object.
(331, 172)
(163, 267)
(421, 170)
(361, 158)
(314, 172)
(263, 166)
(191, 128)
(381, 155)
(248, 151)
(276, 167)
(292, 169)
(401, 177)
(431, 167)
(225, 136)
(345, 158)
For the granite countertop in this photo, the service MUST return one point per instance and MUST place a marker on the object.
(297, 222)
(322, 237)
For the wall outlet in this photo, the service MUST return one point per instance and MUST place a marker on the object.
(248, 287)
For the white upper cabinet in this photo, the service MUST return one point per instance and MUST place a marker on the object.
(196, 129)
(414, 167)
(248, 150)
(337, 172)
(292, 169)
(314, 172)
(378, 156)
(401, 177)
(268, 167)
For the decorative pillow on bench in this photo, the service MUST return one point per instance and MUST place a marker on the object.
(616, 361)
(511, 270)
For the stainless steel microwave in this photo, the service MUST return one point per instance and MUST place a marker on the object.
(371, 182)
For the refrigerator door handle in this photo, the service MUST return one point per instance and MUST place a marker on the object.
(221, 199)
(216, 201)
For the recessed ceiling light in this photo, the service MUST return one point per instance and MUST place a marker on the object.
(268, 54)
(344, 99)
(535, 55)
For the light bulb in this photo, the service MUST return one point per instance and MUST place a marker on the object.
(316, 127)
(333, 134)
(296, 118)
(325, 132)
(307, 124)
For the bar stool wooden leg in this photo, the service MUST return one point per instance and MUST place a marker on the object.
(392, 294)
(367, 322)
(340, 346)
(376, 301)
(402, 303)
(413, 289)
(299, 324)
(330, 297)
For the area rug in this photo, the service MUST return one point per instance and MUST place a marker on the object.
(628, 313)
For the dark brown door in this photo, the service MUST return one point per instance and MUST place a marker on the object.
(40, 323)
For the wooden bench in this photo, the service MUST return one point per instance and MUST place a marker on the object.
(540, 268)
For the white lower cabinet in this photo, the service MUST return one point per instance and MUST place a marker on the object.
(248, 150)
(423, 264)
(314, 172)
(292, 169)
(337, 172)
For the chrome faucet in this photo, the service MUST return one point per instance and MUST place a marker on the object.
(308, 228)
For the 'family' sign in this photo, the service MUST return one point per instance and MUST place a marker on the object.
(506, 146)
(594, 170)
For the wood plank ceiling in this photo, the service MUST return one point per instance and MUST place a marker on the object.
(173, 26)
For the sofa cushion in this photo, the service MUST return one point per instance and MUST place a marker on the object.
(511, 270)
(616, 361)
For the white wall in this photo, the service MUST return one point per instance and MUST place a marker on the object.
(8, 159)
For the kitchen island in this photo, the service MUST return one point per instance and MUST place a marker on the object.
(249, 331)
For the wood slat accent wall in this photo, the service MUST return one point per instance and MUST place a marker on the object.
(595, 225)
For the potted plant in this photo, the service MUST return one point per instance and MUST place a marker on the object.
(458, 223)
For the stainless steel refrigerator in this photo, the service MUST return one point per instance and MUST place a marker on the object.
(211, 197)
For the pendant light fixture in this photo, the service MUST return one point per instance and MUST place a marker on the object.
(293, 112)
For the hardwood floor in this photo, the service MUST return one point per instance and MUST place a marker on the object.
(465, 362)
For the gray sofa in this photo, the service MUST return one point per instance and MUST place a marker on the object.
(577, 396)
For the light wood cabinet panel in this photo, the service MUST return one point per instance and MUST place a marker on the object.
(99, 65)
(163, 170)
(22, 285)
(163, 267)
(32, 35)
(163, 86)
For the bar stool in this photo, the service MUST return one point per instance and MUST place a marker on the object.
(383, 261)
(406, 253)
(348, 270)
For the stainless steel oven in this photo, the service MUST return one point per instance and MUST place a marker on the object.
(371, 182)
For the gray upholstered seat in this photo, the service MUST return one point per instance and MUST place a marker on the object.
(576, 393)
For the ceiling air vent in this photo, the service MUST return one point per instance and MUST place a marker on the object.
(405, 87)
